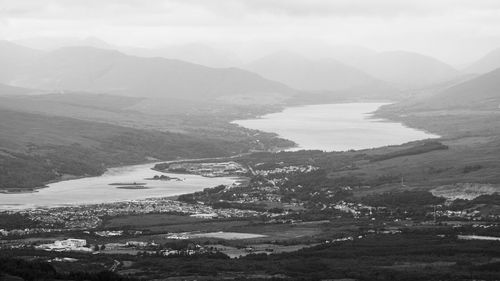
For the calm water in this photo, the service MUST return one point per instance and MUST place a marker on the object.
(335, 127)
(97, 189)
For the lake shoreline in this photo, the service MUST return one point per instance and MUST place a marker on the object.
(336, 127)
(368, 115)
(97, 189)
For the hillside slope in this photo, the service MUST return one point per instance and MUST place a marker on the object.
(106, 71)
(406, 69)
(489, 62)
(11, 90)
(14, 59)
(38, 148)
(317, 75)
(479, 93)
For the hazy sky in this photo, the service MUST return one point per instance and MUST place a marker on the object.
(453, 30)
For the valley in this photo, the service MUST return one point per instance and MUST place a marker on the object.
(264, 161)
(331, 207)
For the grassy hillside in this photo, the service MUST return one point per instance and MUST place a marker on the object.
(37, 148)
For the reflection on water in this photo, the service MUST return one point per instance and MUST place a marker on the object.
(335, 127)
(98, 189)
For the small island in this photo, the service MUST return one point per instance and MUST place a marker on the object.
(128, 183)
(132, 187)
(164, 178)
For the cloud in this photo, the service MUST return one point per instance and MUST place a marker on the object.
(344, 8)
(439, 27)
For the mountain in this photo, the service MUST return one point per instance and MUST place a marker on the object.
(489, 62)
(193, 53)
(406, 69)
(107, 71)
(479, 93)
(53, 43)
(14, 58)
(11, 90)
(349, 55)
(315, 75)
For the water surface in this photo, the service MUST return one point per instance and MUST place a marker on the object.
(92, 190)
(335, 127)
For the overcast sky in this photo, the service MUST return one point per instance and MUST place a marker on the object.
(455, 31)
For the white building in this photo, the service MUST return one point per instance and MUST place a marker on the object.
(66, 245)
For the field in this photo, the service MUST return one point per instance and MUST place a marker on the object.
(156, 226)
(139, 221)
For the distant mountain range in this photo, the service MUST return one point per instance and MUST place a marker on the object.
(349, 72)
(53, 43)
(317, 75)
(406, 70)
(193, 53)
(108, 71)
(357, 71)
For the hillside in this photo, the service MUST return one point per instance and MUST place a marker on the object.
(194, 53)
(479, 93)
(406, 69)
(13, 59)
(106, 71)
(489, 62)
(11, 90)
(38, 148)
(317, 75)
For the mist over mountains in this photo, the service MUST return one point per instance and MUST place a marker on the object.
(200, 72)
(108, 71)
(478, 93)
(487, 63)
(315, 75)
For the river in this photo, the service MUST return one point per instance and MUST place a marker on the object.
(335, 127)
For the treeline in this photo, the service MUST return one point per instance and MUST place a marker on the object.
(461, 204)
(411, 255)
(11, 221)
(40, 270)
(374, 257)
(43, 163)
(405, 199)
(425, 147)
